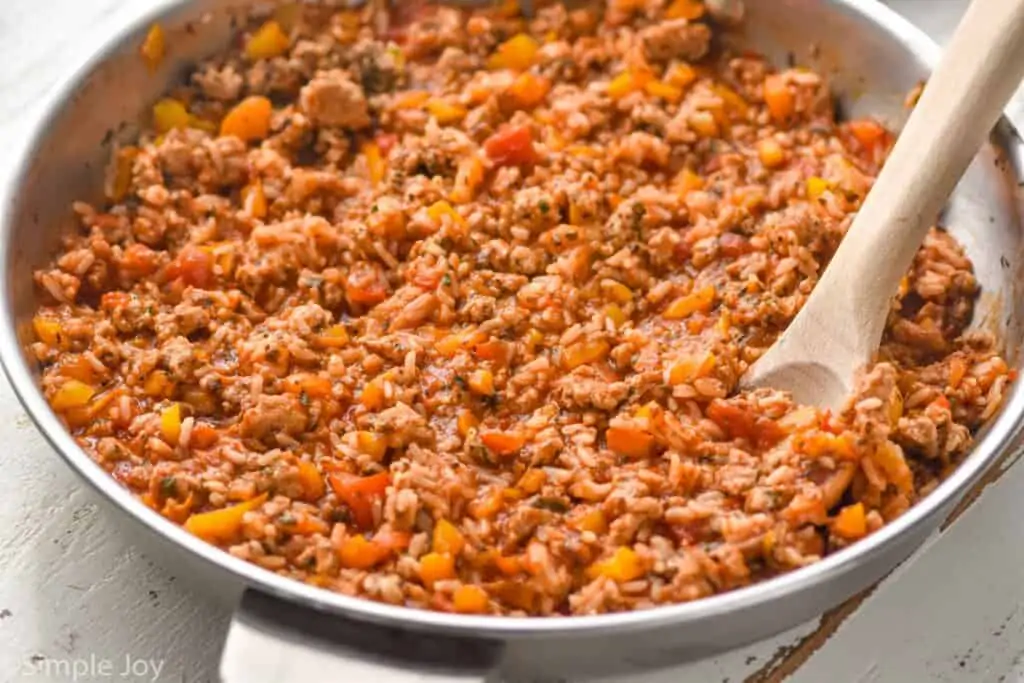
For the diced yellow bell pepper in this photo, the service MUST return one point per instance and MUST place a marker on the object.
(446, 112)
(375, 163)
(690, 10)
(624, 565)
(267, 42)
(154, 47)
(769, 151)
(817, 186)
(47, 330)
(703, 122)
(666, 91)
(616, 291)
(441, 208)
(372, 444)
(170, 423)
(585, 352)
(254, 199)
(158, 385)
(689, 368)
(333, 337)
(615, 313)
(482, 382)
(680, 75)
(517, 53)
(447, 538)
(169, 114)
(72, 394)
(628, 82)
(698, 300)
(224, 525)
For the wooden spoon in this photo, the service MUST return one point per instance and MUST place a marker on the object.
(840, 327)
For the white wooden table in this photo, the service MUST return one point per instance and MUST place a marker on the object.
(78, 602)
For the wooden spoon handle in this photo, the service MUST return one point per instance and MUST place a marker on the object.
(980, 69)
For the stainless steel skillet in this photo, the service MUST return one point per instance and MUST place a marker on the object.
(286, 631)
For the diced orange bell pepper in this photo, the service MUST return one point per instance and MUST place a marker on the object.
(447, 538)
(770, 152)
(223, 525)
(356, 552)
(335, 336)
(630, 442)
(868, 133)
(376, 166)
(778, 97)
(47, 330)
(313, 487)
(466, 422)
(482, 382)
(467, 179)
(528, 91)
(470, 599)
(503, 443)
(690, 10)
(532, 481)
(436, 567)
(249, 120)
(254, 199)
(594, 521)
(851, 522)
(371, 443)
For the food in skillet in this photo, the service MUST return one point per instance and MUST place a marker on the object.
(453, 316)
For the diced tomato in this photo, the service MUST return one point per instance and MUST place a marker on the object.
(392, 540)
(365, 285)
(739, 423)
(111, 300)
(492, 350)
(733, 245)
(359, 493)
(138, 261)
(193, 266)
(511, 146)
(385, 141)
(868, 132)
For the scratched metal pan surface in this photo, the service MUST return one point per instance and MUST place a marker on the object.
(284, 630)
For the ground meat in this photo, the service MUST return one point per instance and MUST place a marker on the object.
(675, 39)
(272, 415)
(332, 99)
(460, 324)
